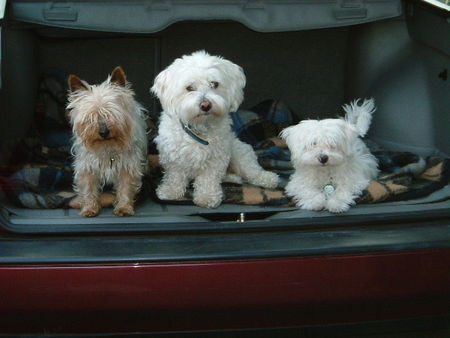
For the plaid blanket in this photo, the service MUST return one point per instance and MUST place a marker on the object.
(44, 179)
(404, 175)
(50, 187)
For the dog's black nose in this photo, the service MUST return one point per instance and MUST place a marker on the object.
(103, 130)
(205, 106)
(323, 159)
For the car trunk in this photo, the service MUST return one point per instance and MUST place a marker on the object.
(176, 266)
(398, 61)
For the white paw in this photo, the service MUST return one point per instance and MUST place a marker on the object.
(266, 179)
(313, 203)
(208, 200)
(337, 206)
(168, 192)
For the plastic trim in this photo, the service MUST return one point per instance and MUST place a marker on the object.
(153, 16)
(377, 214)
(221, 246)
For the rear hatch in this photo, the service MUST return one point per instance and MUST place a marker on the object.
(307, 57)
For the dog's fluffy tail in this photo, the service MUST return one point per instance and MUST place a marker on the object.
(360, 115)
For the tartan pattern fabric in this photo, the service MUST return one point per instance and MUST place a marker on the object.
(50, 187)
(43, 176)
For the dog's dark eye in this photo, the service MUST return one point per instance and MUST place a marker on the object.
(190, 88)
(214, 84)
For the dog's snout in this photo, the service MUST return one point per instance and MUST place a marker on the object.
(323, 159)
(103, 130)
(205, 106)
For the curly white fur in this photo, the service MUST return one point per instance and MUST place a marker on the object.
(198, 91)
(332, 164)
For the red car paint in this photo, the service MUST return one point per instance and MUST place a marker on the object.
(224, 294)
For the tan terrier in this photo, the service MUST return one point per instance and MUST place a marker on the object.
(109, 142)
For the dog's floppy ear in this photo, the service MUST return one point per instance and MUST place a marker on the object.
(360, 116)
(118, 76)
(291, 136)
(237, 78)
(160, 84)
(75, 83)
(286, 134)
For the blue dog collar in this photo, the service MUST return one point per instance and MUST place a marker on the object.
(189, 131)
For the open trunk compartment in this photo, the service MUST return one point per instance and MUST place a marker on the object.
(313, 57)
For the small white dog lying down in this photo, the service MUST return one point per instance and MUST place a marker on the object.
(195, 140)
(332, 164)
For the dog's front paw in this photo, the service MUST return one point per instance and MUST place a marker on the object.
(315, 203)
(124, 210)
(170, 192)
(210, 201)
(91, 210)
(337, 206)
(340, 202)
(266, 179)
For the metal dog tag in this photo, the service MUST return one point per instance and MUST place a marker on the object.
(328, 189)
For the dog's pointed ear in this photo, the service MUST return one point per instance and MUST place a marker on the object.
(118, 76)
(237, 78)
(75, 83)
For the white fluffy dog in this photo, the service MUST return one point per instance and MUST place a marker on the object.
(332, 164)
(195, 140)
